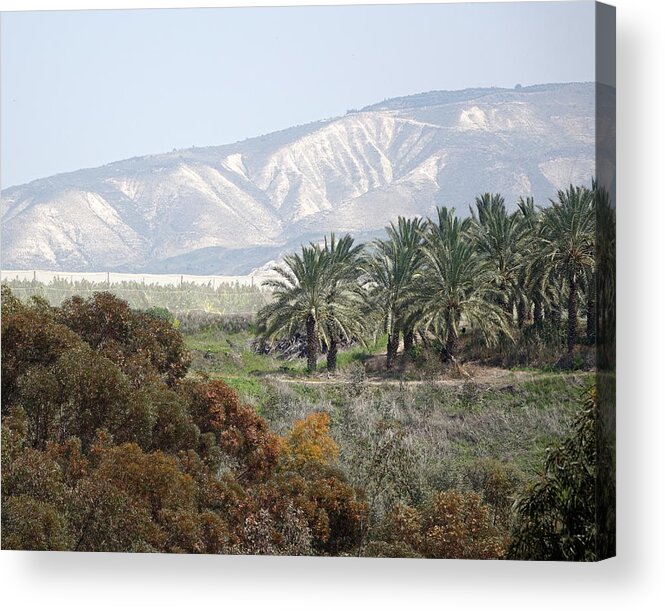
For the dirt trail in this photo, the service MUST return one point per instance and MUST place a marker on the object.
(484, 376)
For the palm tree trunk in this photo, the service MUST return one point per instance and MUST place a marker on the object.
(591, 311)
(409, 338)
(393, 342)
(537, 312)
(331, 358)
(572, 311)
(554, 314)
(521, 313)
(312, 348)
(451, 342)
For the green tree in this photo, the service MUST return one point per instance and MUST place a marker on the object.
(140, 343)
(567, 245)
(458, 284)
(30, 524)
(344, 316)
(391, 272)
(498, 239)
(299, 300)
(555, 517)
(529, 272)
(30, 338)
(315, 293)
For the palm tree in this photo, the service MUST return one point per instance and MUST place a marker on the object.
(344, 317)
(315, 292)
(605, 311)
(458, 284)
(530, 272)
(298, 300)
(498, 238)
(390, 272)
(568, 242)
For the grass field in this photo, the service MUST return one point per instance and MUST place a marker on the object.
(448, 427)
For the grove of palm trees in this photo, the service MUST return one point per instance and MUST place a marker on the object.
(505, 279)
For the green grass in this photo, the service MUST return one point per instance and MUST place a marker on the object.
(513, 422)
(533, 369)
(307, 392)
(555, 388)
(359, 353)
(249, 389)
(449, 430)
(218, 352)
(348, 357)
(212, 340)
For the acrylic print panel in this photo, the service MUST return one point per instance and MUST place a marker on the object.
(327, 281)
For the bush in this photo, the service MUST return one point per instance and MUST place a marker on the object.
(452, 524)
(459, 525)
(555, 516)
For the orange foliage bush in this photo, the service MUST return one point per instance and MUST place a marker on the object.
(241, 432)
(309, 441)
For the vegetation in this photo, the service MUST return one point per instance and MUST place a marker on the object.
(108, 446)
(167, 462)
(391, 272)
(156, 430)
(568, 249)
(316, 294)
(220, 298)
(458, 285)
(500, 276)
(555, 518)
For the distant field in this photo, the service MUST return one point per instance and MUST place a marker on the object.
(229, 295)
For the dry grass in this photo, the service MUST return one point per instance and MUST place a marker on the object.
(406, 441)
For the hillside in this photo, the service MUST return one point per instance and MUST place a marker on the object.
(232, 208)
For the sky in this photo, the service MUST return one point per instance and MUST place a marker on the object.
(84, 88)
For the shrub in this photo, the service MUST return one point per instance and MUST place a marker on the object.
(459, 525)
(30, 524)
(555, 516)
(309, 442)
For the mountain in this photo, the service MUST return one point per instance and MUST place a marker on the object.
(232, 208)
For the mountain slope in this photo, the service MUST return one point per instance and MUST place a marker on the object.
(231, 208)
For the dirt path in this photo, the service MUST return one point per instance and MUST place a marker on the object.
(484, 376)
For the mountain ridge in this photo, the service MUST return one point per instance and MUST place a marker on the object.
(264, 194)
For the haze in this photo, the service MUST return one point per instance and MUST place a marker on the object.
(84, 88)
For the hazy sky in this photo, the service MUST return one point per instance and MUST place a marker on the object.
(84, 88)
